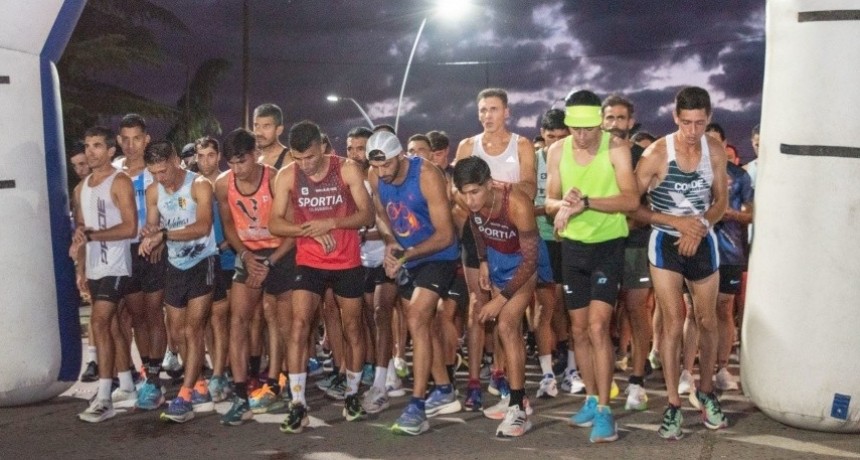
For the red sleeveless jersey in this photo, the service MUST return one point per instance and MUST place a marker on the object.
(328, 198)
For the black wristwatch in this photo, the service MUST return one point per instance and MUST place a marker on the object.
(585, 202)
(164, 233)
(89, 235)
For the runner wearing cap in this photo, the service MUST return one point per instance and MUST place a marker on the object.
(414, 218)
(590, 186)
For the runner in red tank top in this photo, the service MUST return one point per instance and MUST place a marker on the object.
(322, 202)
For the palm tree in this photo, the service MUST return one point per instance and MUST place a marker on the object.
(194, 109)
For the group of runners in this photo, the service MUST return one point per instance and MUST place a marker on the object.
(387, 243)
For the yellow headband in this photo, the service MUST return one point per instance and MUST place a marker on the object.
(583, 116)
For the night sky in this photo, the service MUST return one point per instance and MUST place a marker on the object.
(304, 50)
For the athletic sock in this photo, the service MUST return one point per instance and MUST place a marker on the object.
(545, 364)
(636, 380)
(418, 402)
(517, 398)
(297, 385)
(185, 393)
(241, 389)
(451, 375)
(571, 361)
(254, 366)
(273, 384)
(104, 388)
(353, 379)
(379, 377)
(125, 381)
(93, 355)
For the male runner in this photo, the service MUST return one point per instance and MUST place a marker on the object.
(685, 176)
(321, 201)
(105, 217)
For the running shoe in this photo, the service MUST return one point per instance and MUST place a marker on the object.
(686, 384)
(637, 399)
(239, 412)
(326, 382)
(499, 385)
(170, 363)
(412, 421)
(572, 382)
(338, 389)
(486, 367)
(297, 419)
(149, 397)
(201, 402)
(179, 411)
(401, 368)
(670, 428)
(604, 428)
(712, 413)
(724, 381)
(499, 410)
(439, 403)
(375, 400)
(119, 395)
(264, 400)
(394, 386)
(548, 387)
(98, 411)
(515, 423)
(585, 417)
(91, 373)
(352, 409)
(614, 391)
(315, 367)
(621, 363)
(473, 398)
(219, 388)
(654, 359)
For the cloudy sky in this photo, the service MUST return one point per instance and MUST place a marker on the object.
(303, 50)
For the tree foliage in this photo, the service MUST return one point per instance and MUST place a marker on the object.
(194, 109)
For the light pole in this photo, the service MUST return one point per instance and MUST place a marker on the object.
(334, 98)
(443, 7)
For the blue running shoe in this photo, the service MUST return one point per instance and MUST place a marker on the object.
(473, 399)
(149, 397)
(585, 416)
(499, 385)
(670, 428)
(202, 402)
(604, 428)
(315, 367)
(239, 412)
(179, 411)
(219, 388)
(439, 403)
(412, 421)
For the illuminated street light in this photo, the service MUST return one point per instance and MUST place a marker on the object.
(334, 98)
(448, 9)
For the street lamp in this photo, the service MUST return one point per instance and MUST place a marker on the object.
(334, 98)
(448, 8)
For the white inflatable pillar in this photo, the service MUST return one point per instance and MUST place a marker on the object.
(800, 356)
(40, 340)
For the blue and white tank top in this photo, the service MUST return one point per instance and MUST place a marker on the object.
(140, 182)
(504, 167)
(178, 210)
(683, 193)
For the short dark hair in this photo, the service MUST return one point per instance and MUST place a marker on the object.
(494, 92)
(158, 151)
(581, 97)
(438, 140)
(303, 135)
(616, 99)
(553, 119)
(360, 132)
(133, 120)
(207, 141)
(692, 98)
(717, 128)
(756, 130)
(102, 131)
(384, 127)
(238, 143)
(420, 137)
(78, 148)
(270, 110)
(642, 136)
(471, 170)
(326, 143)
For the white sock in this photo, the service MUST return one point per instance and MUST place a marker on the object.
(91, 353)
(546, 364)
(353, 379)
(571, 361)
(297, 386)
(104, 389)
(379, 377)
(391, 368)
(125, 381)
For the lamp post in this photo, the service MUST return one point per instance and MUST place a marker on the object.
(334, 98)
(443, 7)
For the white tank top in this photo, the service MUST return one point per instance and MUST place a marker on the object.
(104, 258)
(504, 167)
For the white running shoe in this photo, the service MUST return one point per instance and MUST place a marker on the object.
(500, 409)
(515, 423)
(99, 411)
(724, 381)
(548, 387)
(170, 363)
(637, 399)
(394, 386)
(686, 383)
(119, 396)
(375, 400)
(572, 383)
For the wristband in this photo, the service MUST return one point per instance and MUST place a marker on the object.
(89, 235)
(585, 202)
(164, 233)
